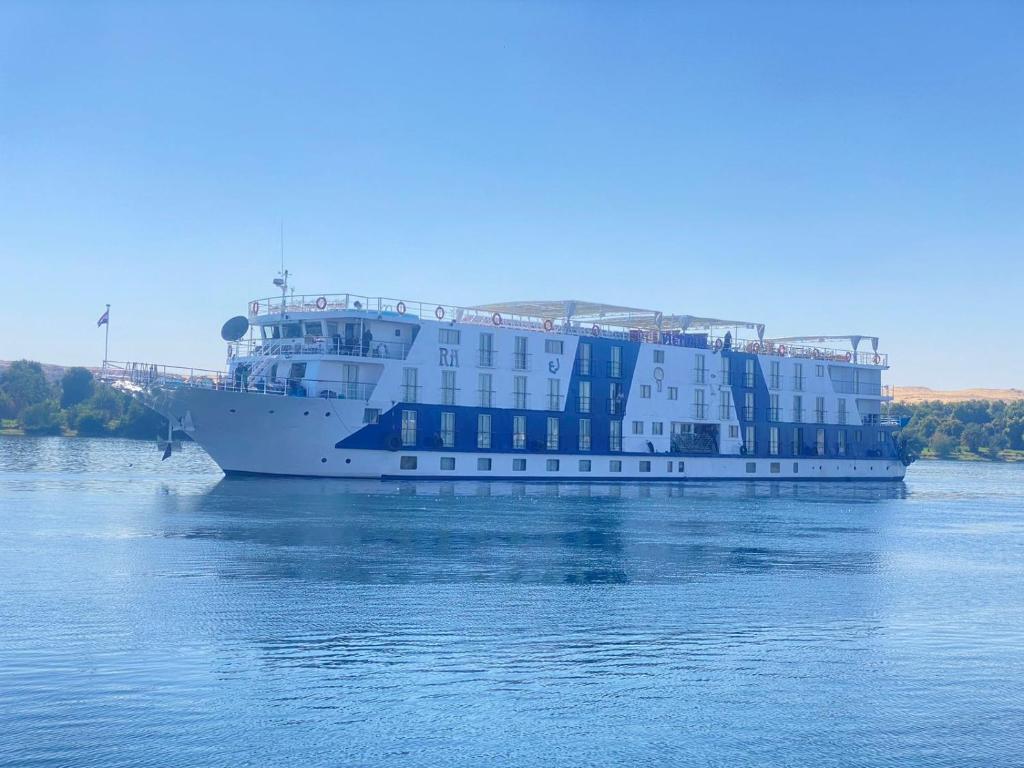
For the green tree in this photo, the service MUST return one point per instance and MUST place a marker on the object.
(76, 386)
(7, 409)
(942, 445)
(973, 437)
(91, 424)
(25, 384)
(41, 419)
(997, 443)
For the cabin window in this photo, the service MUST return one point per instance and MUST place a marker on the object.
(553, 346)
(798, 441)
(682, 466)
(819, 370)
(518, 431)
(408, 428)
(748, 373)
(700, 408)
(751, 467)
(486, 384)
(407, 462)
(554, 394)
(487, 350)
(798, 376)
(584, 434)
(699, 371)
(614, 398)
(518, 465)
(775, 468)
(615, 465)
(483, 430)
(819, 442)
(448, 387)
(798, 408)
(638, 427)
(775, 375)
(748, 440)
(774, 412)
(645, 466)
(584, 465)
(615, 364)
(552, 465)
(583, 357)
(448, 335)
(552, 442)
(725, 405)
(371, 415)
(615, 435)
(448, 429)
(410, 384)
(773, 441)
(657, 427)
(841, 442)
(673, 393)
(734, 431)
(583, 404)
(519, 392)
(748, 406)
(314, 328)
(519, 356)
(483, 465)
(447, 463)
(645, 391)
(659, 356)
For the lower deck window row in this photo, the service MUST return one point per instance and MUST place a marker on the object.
(484, 464)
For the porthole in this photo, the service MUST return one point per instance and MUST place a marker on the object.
(231, 410)
(327, 414)
(323, 461)
(271, 410)
(305, 413)
(348, 461)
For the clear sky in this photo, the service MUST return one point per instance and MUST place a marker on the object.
(822, 167)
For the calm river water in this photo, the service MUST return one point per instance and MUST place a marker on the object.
(157, 614)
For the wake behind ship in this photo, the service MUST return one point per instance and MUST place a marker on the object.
(352, 386)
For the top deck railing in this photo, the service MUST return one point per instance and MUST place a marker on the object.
(396, 309)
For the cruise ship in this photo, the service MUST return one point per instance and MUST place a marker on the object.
(343, 385)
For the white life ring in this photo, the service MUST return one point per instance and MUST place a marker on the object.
(439, 313)
(496, 318)
(718, 344)
(321, 303)
(595, 330)
(782, 350)
(254, 308)
(548, 325)
(877, 359)
(400, 306)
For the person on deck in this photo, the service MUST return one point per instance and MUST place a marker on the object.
(367, 341)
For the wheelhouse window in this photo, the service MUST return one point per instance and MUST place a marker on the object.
(292, 330)
(314, 328)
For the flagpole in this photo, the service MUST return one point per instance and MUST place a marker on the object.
(106, 337)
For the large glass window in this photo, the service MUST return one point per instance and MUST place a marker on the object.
(748, 373)
(748, 441)
(487, 350)
(775, 376)
(798, 408)
(615, 364)
(519, 356)
(842, 410)
(699, 372)
(748, 406)
(841, 442)
(554, 394)
(773, 441)
(773, 407)
(615, 398)
(553, 346)
(819, 442)
(798, 376)
(819, 410)
(700, 410)
(725, 405)
(798, 441)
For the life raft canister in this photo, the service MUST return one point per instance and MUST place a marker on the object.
(439, 313)
(400, 306)
(548, 325)
(496, 318)
(321, 303)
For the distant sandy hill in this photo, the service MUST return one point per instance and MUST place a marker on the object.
(921, 394)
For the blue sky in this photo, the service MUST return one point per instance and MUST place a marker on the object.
(822, 167)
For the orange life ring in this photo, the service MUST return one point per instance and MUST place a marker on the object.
(321, 303)
(718, 344)
(782, 350)
(877, 359)
(595, 330)
(439, 313)
(548, 325)
(496, 318)
(400, 306)
(254, 308)
(847, 357)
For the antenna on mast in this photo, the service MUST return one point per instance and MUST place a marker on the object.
(281, 281)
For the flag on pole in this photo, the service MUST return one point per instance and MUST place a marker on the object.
(104, 319)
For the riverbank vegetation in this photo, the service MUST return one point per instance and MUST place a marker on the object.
(975, 430)
(76, 404)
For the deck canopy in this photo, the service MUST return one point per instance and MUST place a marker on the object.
(853, 340)
(576, 311)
